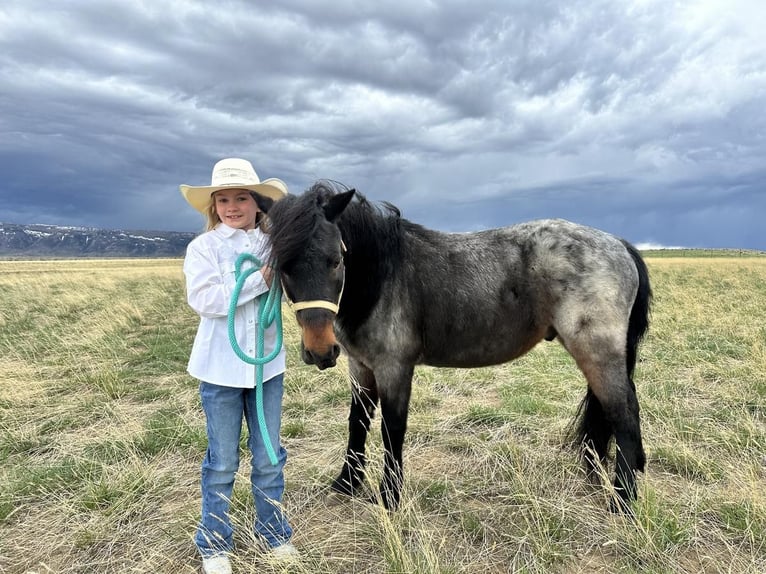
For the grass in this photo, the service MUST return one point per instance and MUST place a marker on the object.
(101, 437)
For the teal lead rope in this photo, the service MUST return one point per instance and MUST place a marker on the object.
(269, 311)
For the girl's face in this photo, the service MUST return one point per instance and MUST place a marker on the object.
(236, 208)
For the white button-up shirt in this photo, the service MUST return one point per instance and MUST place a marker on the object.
(210, 282)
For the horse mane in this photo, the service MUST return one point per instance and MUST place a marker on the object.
(372, 228)
(292, 221)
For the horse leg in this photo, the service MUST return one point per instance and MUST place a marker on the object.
(630, 450)
(620, 408)
(364, 399)
(395, 390)
(610, 408)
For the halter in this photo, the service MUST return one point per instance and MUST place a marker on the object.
(319, 303)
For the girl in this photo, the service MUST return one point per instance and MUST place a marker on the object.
(234, 226)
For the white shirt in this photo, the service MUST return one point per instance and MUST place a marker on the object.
(210, 282)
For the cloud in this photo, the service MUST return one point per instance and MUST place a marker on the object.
(656, 246)
(634, 116)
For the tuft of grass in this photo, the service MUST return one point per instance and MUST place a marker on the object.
(743, 518)
(481, 415)
(168, 430)
(294, 429)
(688, 464)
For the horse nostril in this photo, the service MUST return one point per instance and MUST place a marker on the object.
(335, 351)
(308, 356)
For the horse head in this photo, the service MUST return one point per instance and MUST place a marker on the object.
(307, 252)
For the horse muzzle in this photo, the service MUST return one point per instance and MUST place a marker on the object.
(318, 344)
(323, 360)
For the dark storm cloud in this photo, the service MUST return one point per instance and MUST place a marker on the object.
(643, 118)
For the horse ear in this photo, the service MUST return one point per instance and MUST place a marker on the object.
(264, 203)
(337, 203)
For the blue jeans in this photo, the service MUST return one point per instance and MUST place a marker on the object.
(224, 408)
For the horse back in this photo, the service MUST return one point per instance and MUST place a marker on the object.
(474, 299)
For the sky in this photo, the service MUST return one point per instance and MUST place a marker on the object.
(644, 118)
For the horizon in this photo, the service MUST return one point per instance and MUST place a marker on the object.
(640, 246)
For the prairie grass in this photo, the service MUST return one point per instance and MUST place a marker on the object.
(101, 437)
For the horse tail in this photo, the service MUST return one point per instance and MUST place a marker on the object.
(639, 314)
(590, 427)
(590, 432)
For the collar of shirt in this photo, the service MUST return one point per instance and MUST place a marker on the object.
(226, 231)
(240, 237)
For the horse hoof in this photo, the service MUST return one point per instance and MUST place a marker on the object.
(620, 505)
(390, 505)
(378, 499)
(343, 486)
(389, 498)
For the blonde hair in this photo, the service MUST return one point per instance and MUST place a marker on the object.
(211, 215)
(212, 219)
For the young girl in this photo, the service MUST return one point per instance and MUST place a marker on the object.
(234, 226)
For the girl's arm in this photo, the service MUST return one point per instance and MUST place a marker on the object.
(209, 288)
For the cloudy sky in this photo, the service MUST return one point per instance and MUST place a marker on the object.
(645, 118)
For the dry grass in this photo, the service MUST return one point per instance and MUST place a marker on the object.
(101, 436)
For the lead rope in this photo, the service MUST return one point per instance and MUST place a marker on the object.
(269, 311)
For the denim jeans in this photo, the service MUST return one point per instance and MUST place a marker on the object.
(224, 409)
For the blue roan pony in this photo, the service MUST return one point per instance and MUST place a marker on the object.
(409, 295)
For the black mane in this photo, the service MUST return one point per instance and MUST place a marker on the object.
(363, 225)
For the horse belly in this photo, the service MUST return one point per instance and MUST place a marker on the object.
(469, 348)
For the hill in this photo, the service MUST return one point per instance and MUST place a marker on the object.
(54, 242)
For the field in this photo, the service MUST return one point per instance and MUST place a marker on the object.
(101, 437)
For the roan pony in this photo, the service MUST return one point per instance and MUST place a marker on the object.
(395, 294)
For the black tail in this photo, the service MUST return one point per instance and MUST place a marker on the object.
(590, 433)
(639, 314)
(590, 427)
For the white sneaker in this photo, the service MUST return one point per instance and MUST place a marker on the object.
(216, 565)
(286, 552)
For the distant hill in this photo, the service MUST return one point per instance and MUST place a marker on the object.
(51, 241)
(58, 242)
(702, 252)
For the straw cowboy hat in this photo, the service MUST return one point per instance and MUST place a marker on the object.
(232, 173)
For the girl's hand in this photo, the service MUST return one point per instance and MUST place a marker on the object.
(268, 274)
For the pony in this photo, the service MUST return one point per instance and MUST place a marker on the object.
(394, 294)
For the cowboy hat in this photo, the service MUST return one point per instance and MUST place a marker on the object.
(232, 173)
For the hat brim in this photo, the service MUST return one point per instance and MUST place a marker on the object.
(199, 196)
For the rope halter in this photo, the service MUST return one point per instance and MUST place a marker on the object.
(319, 303)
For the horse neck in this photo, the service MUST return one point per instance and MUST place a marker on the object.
(373, 254)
